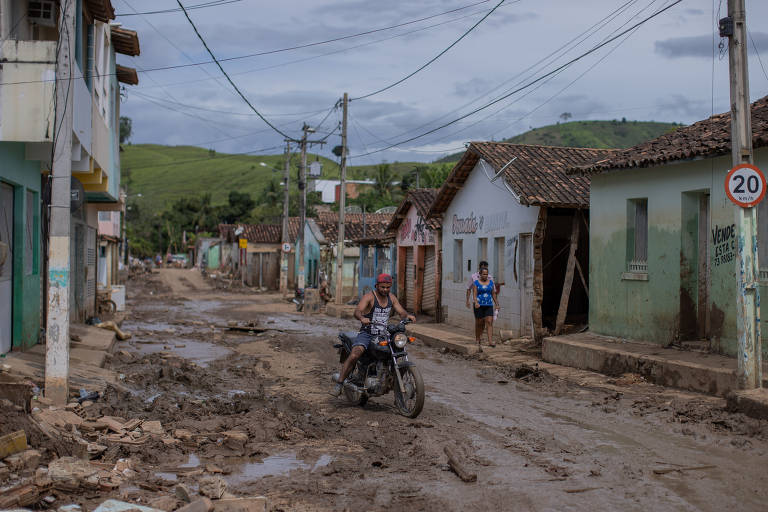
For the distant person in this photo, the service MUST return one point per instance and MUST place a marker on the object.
(325, 292)
(158, 261)
(484, 297)
(475, 277)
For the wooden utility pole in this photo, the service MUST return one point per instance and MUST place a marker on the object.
(57, 325)
(342, 205)
(749, 373)
(284, 234)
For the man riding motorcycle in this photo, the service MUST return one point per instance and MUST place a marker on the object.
(373, 319)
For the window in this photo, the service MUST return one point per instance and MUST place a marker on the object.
(482, 249)
(637, 235)
(105, 216)
(30, 238)
(762, 238)
(498, 259)
(458, 260)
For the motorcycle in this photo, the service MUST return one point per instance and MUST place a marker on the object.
(384, 367)
(298, 299)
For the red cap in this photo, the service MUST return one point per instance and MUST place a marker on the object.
(384, 278)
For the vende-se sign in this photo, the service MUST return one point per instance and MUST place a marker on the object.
(745, 185)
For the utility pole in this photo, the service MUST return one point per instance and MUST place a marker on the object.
(749, 373)
(303, 205)
(57, 325)
(284, 236)
(342, 205)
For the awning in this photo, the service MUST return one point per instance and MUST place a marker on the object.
(100, 10)
(127, 75)
(125, 41)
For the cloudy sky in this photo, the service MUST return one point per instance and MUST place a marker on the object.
(508, 74)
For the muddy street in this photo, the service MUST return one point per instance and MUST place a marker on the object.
(248, 413)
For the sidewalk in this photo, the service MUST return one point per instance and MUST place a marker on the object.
(88, 355)
(694, 371)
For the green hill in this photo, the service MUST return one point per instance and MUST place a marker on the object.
(588, 134)
(162, 174)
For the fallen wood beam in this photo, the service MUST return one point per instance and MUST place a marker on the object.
(581, 275)
(458, 467)
(15, 442)
(568, 281)
(664, 471)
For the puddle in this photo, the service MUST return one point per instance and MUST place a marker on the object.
(199, 352)
(171, 477)
(275, 465)
(193, 462)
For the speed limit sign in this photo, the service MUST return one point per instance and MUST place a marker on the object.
(745, 185)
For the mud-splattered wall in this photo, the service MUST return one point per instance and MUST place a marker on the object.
(686, 204)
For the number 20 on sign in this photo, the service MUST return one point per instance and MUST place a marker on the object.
(745, 185)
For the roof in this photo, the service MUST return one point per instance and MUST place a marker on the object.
(708, 138)
(100, 10)
(126, 75)
(421, 199)
(535, 174)
(375, 227)
(125, 41)
(261, 233)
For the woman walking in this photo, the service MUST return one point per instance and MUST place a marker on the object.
(484, 294)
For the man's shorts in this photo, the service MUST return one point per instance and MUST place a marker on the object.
(483, 311)
(363, 340)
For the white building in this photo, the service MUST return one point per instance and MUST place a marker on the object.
(514, 207)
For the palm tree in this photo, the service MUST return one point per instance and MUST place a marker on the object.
(383, 177)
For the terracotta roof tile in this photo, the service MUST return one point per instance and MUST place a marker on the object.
(421, 199)
(535, 174)
(710, 137)
(261, 233)
(375, 226)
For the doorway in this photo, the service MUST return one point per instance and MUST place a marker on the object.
(525, 279)
(694, 265)
(6, 267)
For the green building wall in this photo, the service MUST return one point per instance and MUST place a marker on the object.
(24, 176)
(652, 310)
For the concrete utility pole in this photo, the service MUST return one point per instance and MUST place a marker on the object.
(284, 235)
(303, 206)
(57, 326)
(342, 205)
(749, 371)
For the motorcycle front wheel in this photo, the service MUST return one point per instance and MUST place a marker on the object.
(355, 397)
(410, 403)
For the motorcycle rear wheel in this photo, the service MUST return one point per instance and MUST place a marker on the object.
(411, 403)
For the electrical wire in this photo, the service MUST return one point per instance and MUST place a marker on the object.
(181, 66)
(232, 83)
(433, 59)
(529, 84)
(214, 3)
(757, 52)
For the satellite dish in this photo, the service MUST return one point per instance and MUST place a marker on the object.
(353, 209)
(387, 209)
(501, 171)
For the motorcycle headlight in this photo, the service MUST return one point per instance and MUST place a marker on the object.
(400, 340)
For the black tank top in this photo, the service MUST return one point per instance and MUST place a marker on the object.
(379, 316)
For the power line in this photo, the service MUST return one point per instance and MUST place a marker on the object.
(529, 84)
(181, 66)
(192, 160)
(275, 128)
(432, 59)
(313, 57)
(214, 3)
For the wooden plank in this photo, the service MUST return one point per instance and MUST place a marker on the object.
(538, 275)
(568, 281)
(14, 442)
(581, 275)
(458, 467)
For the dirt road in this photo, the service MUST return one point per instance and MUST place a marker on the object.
(535, 444)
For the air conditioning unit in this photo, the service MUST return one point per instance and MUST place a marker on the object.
(42, 12)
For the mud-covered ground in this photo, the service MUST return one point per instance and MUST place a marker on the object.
(535, 443)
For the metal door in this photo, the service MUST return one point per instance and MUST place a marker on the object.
(525, 273)
(6, 267)
(410, 278)
(90, 272)
(429, 295)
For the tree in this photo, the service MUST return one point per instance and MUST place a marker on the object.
(126, 129)
(436, 175)
(566, 116)
(383, 178)
(240, 205)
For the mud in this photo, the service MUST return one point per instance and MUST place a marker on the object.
(535, 442)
